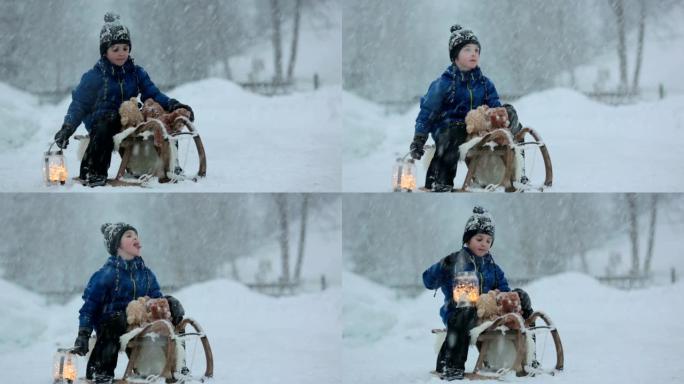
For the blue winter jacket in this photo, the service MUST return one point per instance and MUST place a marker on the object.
(490, 275)
(451, 96)
(103, 88)
(111, 288)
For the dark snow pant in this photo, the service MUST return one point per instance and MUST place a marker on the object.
(98, 155)
(454, 351)
(447, 154)
(461, 321)
(103, 358)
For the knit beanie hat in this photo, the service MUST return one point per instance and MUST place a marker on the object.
(480, 222)
(113, 33)
(112, 235)
(460, 38)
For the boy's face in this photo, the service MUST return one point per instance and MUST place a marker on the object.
(130, 245)
(480, 244)
(468, 58)
(117, 54)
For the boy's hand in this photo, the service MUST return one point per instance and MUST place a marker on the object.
(175, 104)
(81, 343)
(417, 145)
(62, 136)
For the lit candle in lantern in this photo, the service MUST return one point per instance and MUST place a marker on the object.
(466, 289)
(404, 175)
(54, 167)
(65, 367)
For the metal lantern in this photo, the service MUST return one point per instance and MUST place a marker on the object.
(404, 175)
(54, 167)
(466, 289)
(65, 367)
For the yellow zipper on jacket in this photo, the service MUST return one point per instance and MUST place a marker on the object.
(134, 287)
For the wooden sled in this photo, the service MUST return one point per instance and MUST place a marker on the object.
(492, 161)
(489, 344)
(149, 151)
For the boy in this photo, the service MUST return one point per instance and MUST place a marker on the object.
(478, 237)
(123, 278)
(96, 100)
(443, 109)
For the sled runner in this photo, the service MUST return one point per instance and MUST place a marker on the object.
(525, 351)
(498, 160)
(158, 352)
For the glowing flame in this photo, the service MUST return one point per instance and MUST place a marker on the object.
(404, 176)
(57, 173)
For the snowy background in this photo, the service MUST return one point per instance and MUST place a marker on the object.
(254, 143)
(594, 146)
(220, 245)
(609, 335)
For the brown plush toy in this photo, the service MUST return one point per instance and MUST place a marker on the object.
(158, 309)
(509, 302)
(487, 308)
(130, 114)
(484, 120)
(153, 110)
(136, 313)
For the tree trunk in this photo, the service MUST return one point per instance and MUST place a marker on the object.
(302, 238)
(295, 41)
(640, 47)
(277, 42)
(281, 202)
(619, 9)
(633, 231)
(585, 264)
(651, 235)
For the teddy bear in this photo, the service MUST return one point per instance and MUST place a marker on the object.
(158, 309)
(483, 120)
(153, 110)
(136, 313)
(487, 307)
(131, 116)
(509, 302)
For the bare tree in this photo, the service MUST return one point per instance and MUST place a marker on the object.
(276, 21)
(618, 7)
(281, 202)
(633, 231)
(302, 237)
(640, 46)
(651, 234)
(295, 40)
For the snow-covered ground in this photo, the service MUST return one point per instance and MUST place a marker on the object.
(254, 338)
(253, 143)
(608, 335)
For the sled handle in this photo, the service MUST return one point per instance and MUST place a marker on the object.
(180, 329)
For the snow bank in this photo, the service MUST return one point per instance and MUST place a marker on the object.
(20, 123)
(608, 335)
(23, 319)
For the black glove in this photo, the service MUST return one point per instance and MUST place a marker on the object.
(175, 104)
(177, 311)
(81, 343)
(525, 303)
(62, 136)
(417, 145)
(513, 122)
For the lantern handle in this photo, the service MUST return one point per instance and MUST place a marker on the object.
(59, 152)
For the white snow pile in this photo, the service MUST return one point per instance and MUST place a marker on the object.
(608, 335)
(254, 338)
(17, 113)
(593, 147)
